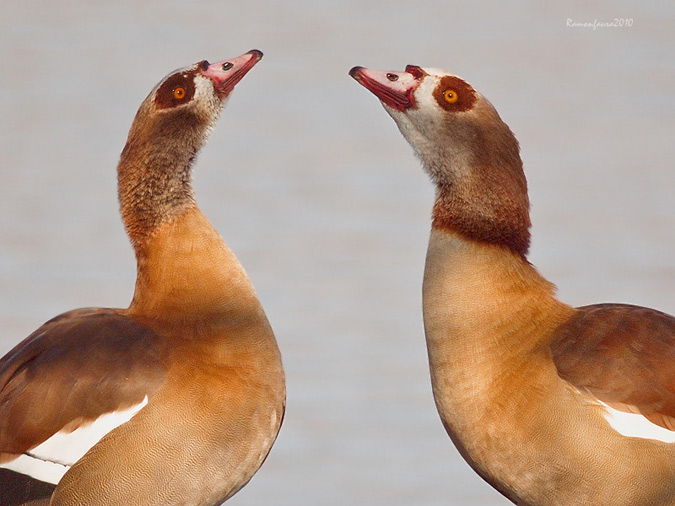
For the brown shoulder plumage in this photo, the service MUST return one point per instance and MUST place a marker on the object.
(97, 361)
(623, 355)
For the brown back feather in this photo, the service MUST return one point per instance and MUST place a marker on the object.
(624, 355)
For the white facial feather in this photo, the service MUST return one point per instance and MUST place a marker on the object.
(205, 95)
(424, 127)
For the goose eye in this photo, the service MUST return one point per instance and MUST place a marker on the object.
(179, 93)
(450, 96)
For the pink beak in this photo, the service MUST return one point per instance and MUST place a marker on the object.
(227, 73)
(395, 89)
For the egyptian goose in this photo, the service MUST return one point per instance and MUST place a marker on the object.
(178, 398)
(550, 404)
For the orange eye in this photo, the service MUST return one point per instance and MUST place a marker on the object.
(179, 93)
(450, 96)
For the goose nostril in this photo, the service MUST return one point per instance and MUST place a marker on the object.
(416, 71)
(227, 65)
(392, 77)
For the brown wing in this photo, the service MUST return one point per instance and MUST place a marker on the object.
(624, 355)
(74, 368)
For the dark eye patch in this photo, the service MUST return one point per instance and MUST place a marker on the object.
(466, 95)
(165, 97)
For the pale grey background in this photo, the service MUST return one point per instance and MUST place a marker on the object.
(311, 184)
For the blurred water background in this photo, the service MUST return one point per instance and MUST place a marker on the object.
(311, 184)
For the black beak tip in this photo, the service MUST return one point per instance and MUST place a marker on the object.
(355, 71)
(256, 53)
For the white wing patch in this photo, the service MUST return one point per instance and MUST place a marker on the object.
(636, 425)
(50, 460)
(38, 469)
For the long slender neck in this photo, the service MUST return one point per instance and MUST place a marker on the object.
(481, 190)
(185, 269)
(486, 206)
(154, 172)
